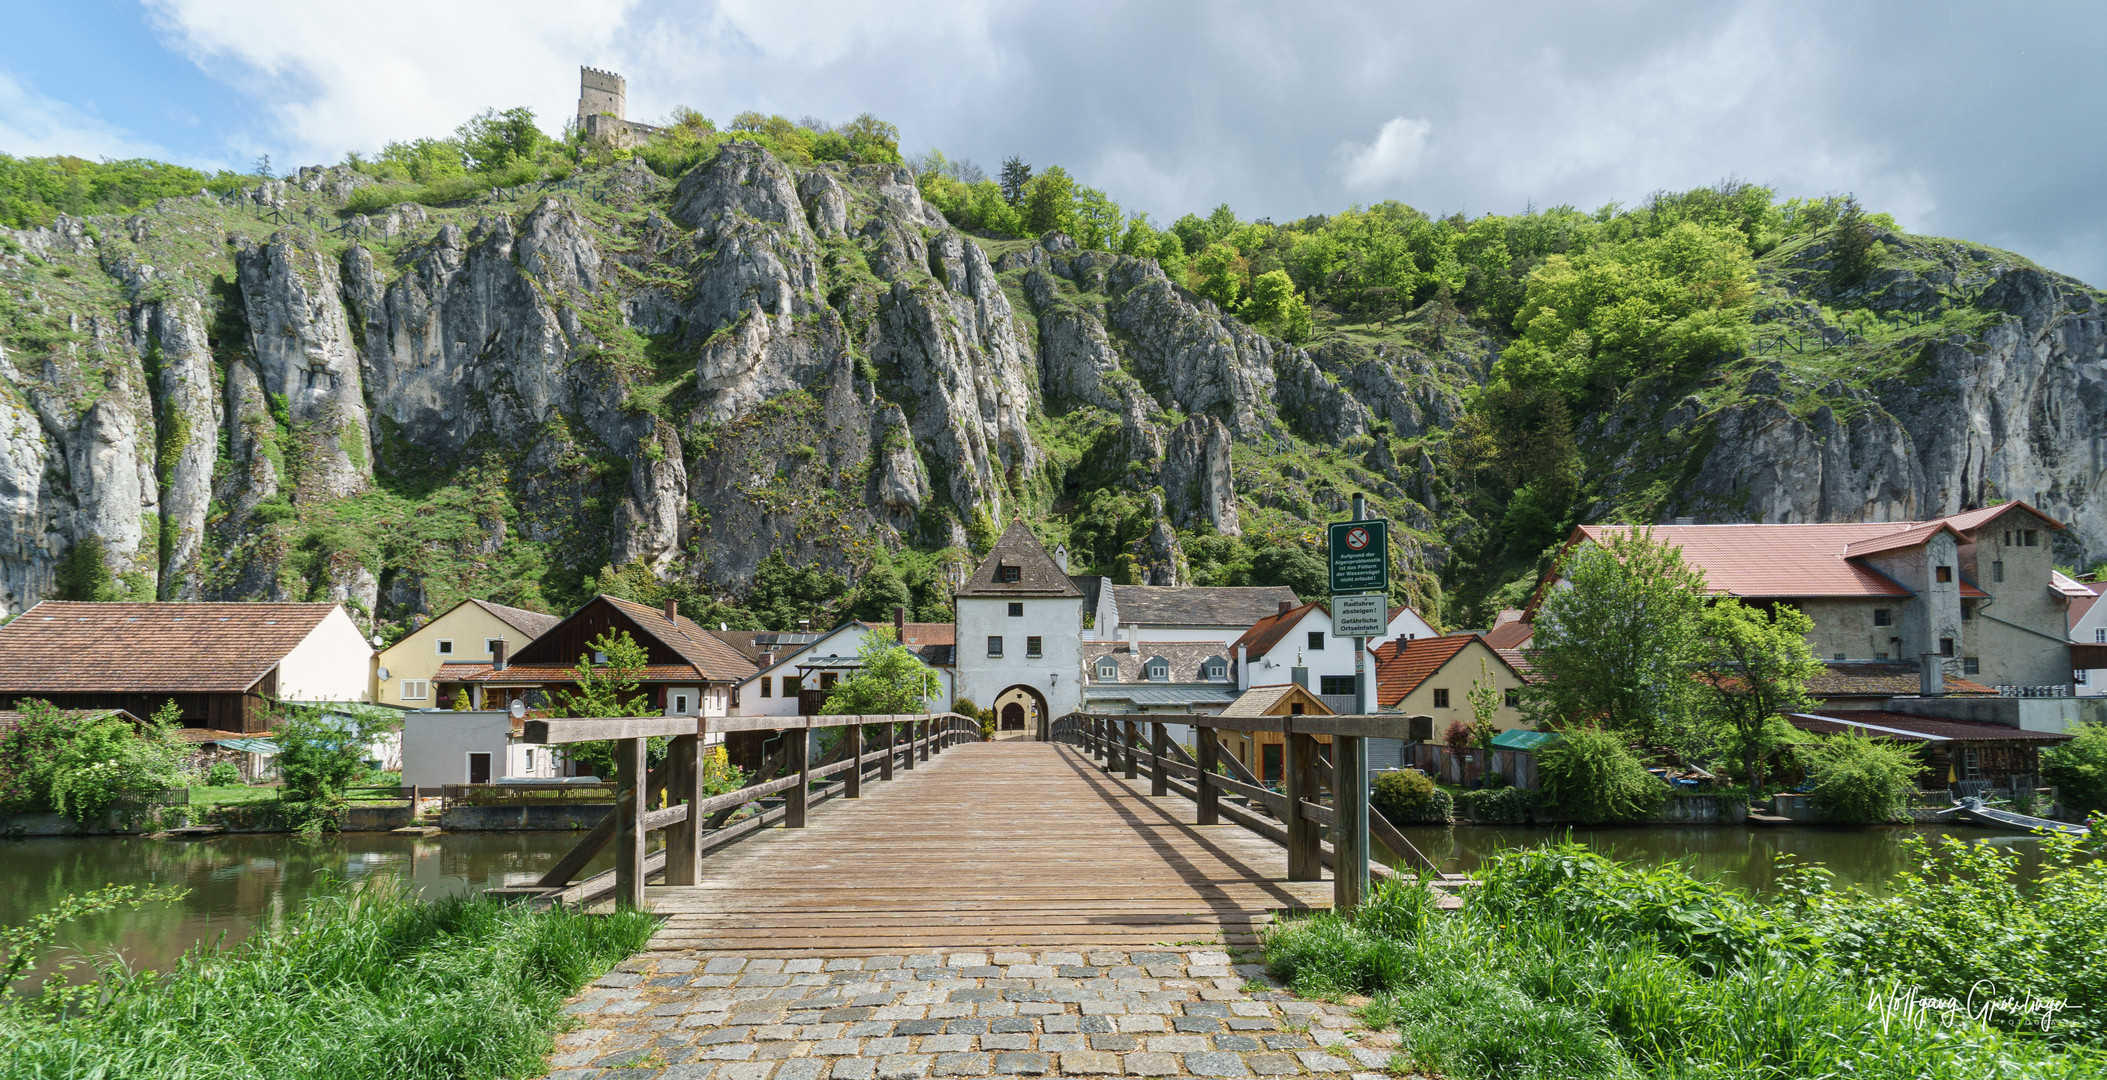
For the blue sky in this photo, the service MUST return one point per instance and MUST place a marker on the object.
(1962, 120)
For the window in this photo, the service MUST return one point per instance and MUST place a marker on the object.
(416, 689)
(1316, 641)
(2078, 676)
(530, 761)
(1945, 646)
(2008, 538)
(827, 679)
(492, 645)
(1943, 573)
(1967, 612)
(995, 645)
(1108, 670)
(1009, 575)
(1295, 708)
(599, 657)
(1334, 685)
(1971, 665)
(1997, 570)
(735, 697)
(1883, 617)
(2030, 538)
(446, 646)
(1217, 669)
(1031, 648)
(1016, 611)
(767, 685)
(1441, 699)
(1839, 656)
(2100, 636)
(1513, 698)
(680, 704)
(1159, 669)
(793, 685)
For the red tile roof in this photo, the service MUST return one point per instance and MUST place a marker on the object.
(922, 634)
(1510, 635)
(1790, 560)
(1908, 728)
(75, 647)
(1975, 519)
(555, 673)
(1268, 632)
(1396, 676)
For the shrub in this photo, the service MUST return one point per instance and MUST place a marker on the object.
(319, 755)
(2079, 770)
(1408, 795)
(223, 774)
(1860, 780)
(1501, 805)
(83, 765)
(1593, 777)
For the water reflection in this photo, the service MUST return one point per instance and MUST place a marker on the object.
(1737, 855)
(237, 882)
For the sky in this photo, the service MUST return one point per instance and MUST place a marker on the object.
(1969, 120)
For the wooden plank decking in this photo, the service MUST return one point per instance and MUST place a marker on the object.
(1023, 844)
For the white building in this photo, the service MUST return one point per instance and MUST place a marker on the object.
(1182, 613)
(1301, 636)
(482, 746)
(2088, 626)
(1020, 630)
(820, 663)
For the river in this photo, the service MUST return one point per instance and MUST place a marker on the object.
(237, 882)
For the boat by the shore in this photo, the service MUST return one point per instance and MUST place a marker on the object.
(1974, 811)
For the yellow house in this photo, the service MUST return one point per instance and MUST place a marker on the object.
(1434, 676)
(471, 632)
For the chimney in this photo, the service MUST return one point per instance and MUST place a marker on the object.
(497, 655)
(1243, 669)
(1300, 676)
(1686, 521)
(1931, 675)
(1285, 607)
(673, 612)
(900, 623)
(1061, 557)
(1402, 641)
(804, 626)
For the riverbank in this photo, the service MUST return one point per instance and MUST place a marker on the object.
(1563, 963)
(374, 984)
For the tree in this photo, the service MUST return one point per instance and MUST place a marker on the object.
(784, 595)
(1752, 665)
(1049, 203)
(1615, 638)
(1297, 568)
(890, 679)
(80, 765)
(1859, 780)
(84, 574)
(321, 752)
(1851, 255)
(1595, 777)
(609, 689)
(1275, 306)
(1485, 698)
(1218, 274)
(1015, 175)
(492, 140)
(878, 593)
(2079, 769)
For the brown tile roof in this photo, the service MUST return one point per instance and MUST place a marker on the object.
(923, 634)
(1518, 659)
(1510, 635)
(1975, 519)
(716, 660)
(555, 673)
(531, 623)
(1268, 632)
(75, 647)
(1399, 672)
(1879, 678)
(1037, 573)
(1907, 728)
(1193, 605)
(1790, 560)
(1186, 658)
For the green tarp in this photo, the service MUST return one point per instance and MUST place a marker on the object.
(1525, 740)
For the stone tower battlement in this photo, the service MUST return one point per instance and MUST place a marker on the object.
(601, 93)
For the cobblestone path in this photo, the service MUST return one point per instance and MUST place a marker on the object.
(1165, 1013)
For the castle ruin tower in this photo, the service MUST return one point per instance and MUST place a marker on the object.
(600, 93)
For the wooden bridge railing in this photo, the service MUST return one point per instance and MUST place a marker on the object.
(695, 822)
(1116, 740)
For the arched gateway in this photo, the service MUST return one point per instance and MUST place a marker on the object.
(1021, 713)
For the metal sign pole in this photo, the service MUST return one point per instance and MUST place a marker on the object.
(1350, 782)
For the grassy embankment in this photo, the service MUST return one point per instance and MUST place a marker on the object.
(369, 985)
(1565, 964)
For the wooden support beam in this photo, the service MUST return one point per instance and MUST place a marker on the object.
(1209, 798)
(1350, 835)
(1299, 769)
(1129, 748)
(595, 729)
(1159, 751)
(629, 827)
(922, 743)
(683, 855)
(892, 750)
(853, 782)
(800, 746)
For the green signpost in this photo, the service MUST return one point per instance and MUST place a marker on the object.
(1360, 556)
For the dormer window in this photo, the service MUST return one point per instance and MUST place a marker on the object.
(1008, 575)
(1216, 669)
(1107, 670)
(1159, 669)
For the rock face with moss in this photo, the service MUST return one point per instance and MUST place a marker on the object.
(265, 395)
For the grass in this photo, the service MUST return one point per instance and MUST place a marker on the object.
(367, 984)
(228, 796)
(1564, 965)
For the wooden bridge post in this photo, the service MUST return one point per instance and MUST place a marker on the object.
(922, 744)
(1130, 750)
(892, 750)
(683, 838)
(1350, 834)
(1159, 752)
(1210, 796)
(907, 759)
(1299, 783)
(629, 822)
(852, 784)
(798, 797)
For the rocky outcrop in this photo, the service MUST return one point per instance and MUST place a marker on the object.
(189, 418)
(1198, 481)
(304, 355)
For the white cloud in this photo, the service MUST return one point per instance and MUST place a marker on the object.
(32, 125)
(1395, 154)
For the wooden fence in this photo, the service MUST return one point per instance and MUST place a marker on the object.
(697, 824)
(1300, 814)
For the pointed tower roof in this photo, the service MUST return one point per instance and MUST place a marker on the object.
(1019, 566)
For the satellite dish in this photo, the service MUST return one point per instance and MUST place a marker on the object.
(519, 709)
(383, 673)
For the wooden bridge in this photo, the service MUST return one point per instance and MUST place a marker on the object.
(940, 840)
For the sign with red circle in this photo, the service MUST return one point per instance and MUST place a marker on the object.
(1357, 539)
